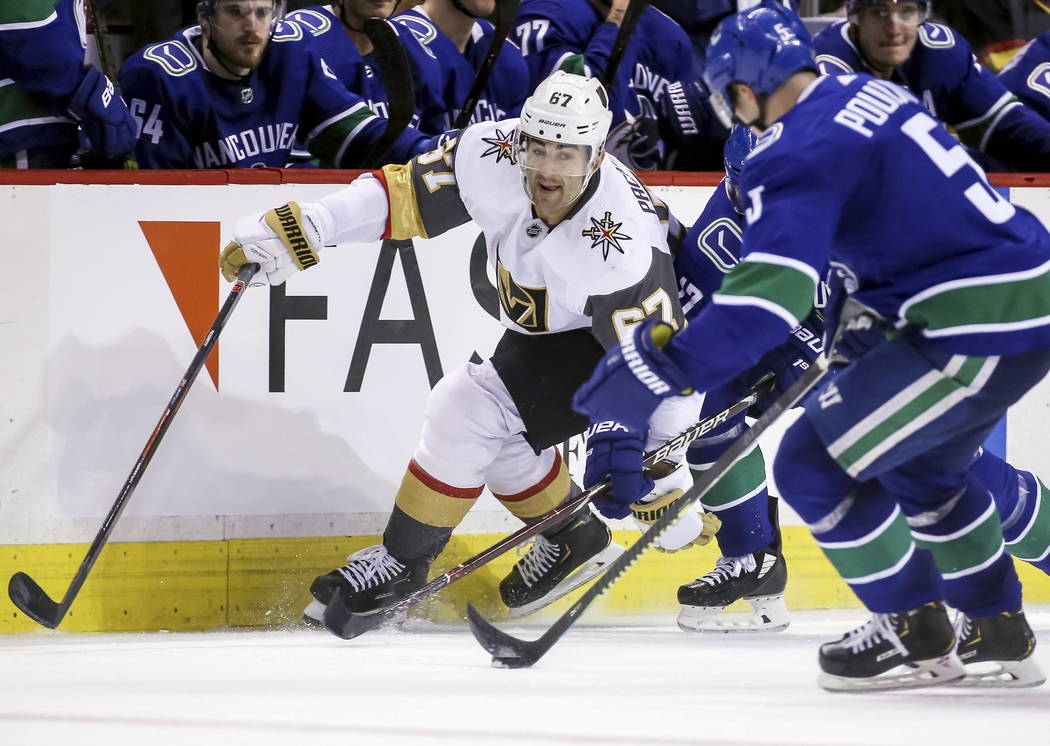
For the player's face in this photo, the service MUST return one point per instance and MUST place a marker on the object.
(240, 30)
(887, 33)
(359, 11)
(745, 106)
(555, 173)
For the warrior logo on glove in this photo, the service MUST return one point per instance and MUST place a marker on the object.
(284, 221)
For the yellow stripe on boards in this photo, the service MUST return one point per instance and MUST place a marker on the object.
(190, 586)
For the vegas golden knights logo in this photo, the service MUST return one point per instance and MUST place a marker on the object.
(527, 307)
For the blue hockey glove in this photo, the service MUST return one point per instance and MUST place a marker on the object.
(851, 328)
(632, 379)
(101, 112)
(614, 452)
(790, 360)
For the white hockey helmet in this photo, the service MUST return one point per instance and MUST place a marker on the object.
(565, 109)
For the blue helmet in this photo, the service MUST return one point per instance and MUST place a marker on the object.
(739, 145)
(761, 48)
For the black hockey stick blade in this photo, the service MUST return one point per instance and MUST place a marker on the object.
(26, 593)
(511, 652)
(396, 73)
(507, 651)
(33, 601)
(623, 37)
(505, 13)
(342, 622)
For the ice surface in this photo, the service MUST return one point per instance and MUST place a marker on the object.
(435, 686)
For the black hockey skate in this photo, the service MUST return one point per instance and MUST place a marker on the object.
(370, 579)
(557, 564)
(908, 650)
(758, 579)
(997, 650)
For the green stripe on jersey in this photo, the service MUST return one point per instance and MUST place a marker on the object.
(335, 141)
(1012, 303)
(743, 480)
(916, 406)
(25, 11)
(762, 284)
(875, 556)
(1033, 544)
(575, 64)
(16, 106)
(967, 551)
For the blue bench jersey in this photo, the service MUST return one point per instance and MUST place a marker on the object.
(573, 35)
(42, 47)
(508, 85)
(1027, 75)
(946, 76)
(549, 32)
(859, 175)
(192, 118)
(361, 75)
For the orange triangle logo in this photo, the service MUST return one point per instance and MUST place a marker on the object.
(187, 254)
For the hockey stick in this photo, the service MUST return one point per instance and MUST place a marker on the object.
(340, 621)
(623, 37)
(98, 22)
(510, 652)
(25, 592)
(397, 80)
(506, 11)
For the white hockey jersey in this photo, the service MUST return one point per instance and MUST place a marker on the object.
(606, 266)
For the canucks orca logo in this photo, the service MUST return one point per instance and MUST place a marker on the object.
(501, 146)
(606, 234)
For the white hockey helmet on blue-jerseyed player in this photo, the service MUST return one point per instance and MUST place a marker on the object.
(564, 110)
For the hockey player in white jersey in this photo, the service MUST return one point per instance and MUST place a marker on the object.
(580, 252)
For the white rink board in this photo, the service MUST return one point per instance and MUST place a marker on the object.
(94, 343)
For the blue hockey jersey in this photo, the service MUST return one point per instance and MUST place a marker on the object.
(860, 176)
(192, 118)
(1027, 75)
(42, 47)
(710, 249)
(551, 31)
(574, 35)
(945, 74)
(362, 76)
(508, 85)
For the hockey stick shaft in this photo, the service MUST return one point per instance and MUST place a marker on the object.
(506, 11)
(514, 653)
(341, 622)
(25, 592)
(623, 38)
(98, 22)
(396, 73)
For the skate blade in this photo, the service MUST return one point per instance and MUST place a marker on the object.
(947, 669)
(313, 615)
(1004, 674)
(769, 615)
(590, 569)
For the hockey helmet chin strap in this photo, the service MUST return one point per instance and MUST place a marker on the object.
(758, 122)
